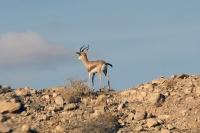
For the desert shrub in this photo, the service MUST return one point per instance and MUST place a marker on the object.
(104, 123)
(77, 86)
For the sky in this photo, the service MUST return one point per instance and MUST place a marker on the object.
(143, 40)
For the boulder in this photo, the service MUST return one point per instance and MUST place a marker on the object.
(4, 128)
(21, 92)
(59, 100)
(152, 123)
(71, 106)
(9, 106)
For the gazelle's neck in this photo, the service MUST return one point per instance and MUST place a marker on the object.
(85, 60)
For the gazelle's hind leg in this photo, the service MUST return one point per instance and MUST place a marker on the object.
(108, 77)
(93, 80)
(100, 77)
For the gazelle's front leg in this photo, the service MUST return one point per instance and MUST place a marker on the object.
(100, 77)
(88, 80)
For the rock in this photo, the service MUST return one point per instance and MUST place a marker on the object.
(35, 105)
(21, 92)
(46, 97)
(9, 107)
(101, 100)
(59, 100)
(182, 76)
(165, 130)
(120, 106)
(198, 90)
(2, 118)
(158, 81)
(71, 106)
(193, 124)
(55, 94)
(162, 117)
(139, 128)
(139, 116)
(4, 128)
(152, 123)
(72, 99)
(6, 89)
(170, 127)
(25, 128)
(60, 129)
(155, 98)
(148, 87)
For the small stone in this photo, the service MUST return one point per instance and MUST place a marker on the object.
(198, 90)
(26, 128)
(182, 76)
(152, 123)
(120, 106)
(165, 130)
(155, 98)
(35, 105)
(71, 106)
(59, 100)
(139, 128)
(60, 129)
(46, 97)
(55, 94)
(139, 116)
(170, 127)
(4, 128)
(9, 107)
(21, 92)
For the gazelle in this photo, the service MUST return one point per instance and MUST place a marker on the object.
(93, 67)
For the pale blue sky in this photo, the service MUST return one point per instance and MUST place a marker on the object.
(143, 40)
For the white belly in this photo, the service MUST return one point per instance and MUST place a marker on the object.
(93, 70)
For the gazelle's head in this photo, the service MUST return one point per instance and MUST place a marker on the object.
(82, 52)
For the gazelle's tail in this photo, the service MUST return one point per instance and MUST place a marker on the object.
(109, 64)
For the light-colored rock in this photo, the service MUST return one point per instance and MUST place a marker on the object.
(152, 123)
(59, 100)
(101, 100)
(139, 116)
(120, 106)
(198, 90)
(46, 97)
(4, 128)
(155, 98)
(170, 126)
(60, 129)
(6, 89)
(9, 106)
(25, 128)
(148, 87)
(165, 130)
(70, 106)
(158, 81)
(162, 117)
(193, 124)
(21, 92)
(139, 128)
(55, 94)
(189, 99)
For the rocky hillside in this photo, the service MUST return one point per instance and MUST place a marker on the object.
(164, 105)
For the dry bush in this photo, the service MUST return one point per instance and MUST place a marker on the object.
(104, 123)
(77, 86)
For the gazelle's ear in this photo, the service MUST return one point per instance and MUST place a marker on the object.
(78, 53)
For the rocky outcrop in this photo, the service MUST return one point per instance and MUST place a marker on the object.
(164, 105)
